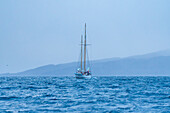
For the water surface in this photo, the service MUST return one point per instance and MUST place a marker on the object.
(99, 94)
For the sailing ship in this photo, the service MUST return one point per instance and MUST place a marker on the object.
(83, 71)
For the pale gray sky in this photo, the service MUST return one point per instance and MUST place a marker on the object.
(39, 32)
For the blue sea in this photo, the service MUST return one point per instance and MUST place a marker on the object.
(115, 94)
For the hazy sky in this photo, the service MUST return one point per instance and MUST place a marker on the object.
(39, 32)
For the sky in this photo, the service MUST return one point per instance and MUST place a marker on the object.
(34, 33)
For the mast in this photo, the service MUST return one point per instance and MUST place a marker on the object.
(85, 50)
(81, 51)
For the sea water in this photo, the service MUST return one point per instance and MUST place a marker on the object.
(113, 94)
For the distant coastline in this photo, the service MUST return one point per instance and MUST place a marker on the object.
(152, 64)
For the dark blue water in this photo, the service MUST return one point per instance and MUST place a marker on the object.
(100, 94)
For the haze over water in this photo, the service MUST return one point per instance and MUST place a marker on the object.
(99, 94)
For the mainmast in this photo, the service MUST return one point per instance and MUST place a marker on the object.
(81, 51)
(85, 50)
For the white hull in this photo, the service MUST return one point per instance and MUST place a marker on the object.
(81, 76)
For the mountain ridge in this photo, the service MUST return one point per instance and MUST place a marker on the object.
(156, 63)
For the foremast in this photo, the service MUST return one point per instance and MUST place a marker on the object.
(81, 52)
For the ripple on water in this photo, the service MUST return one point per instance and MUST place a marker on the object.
(67, 94)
